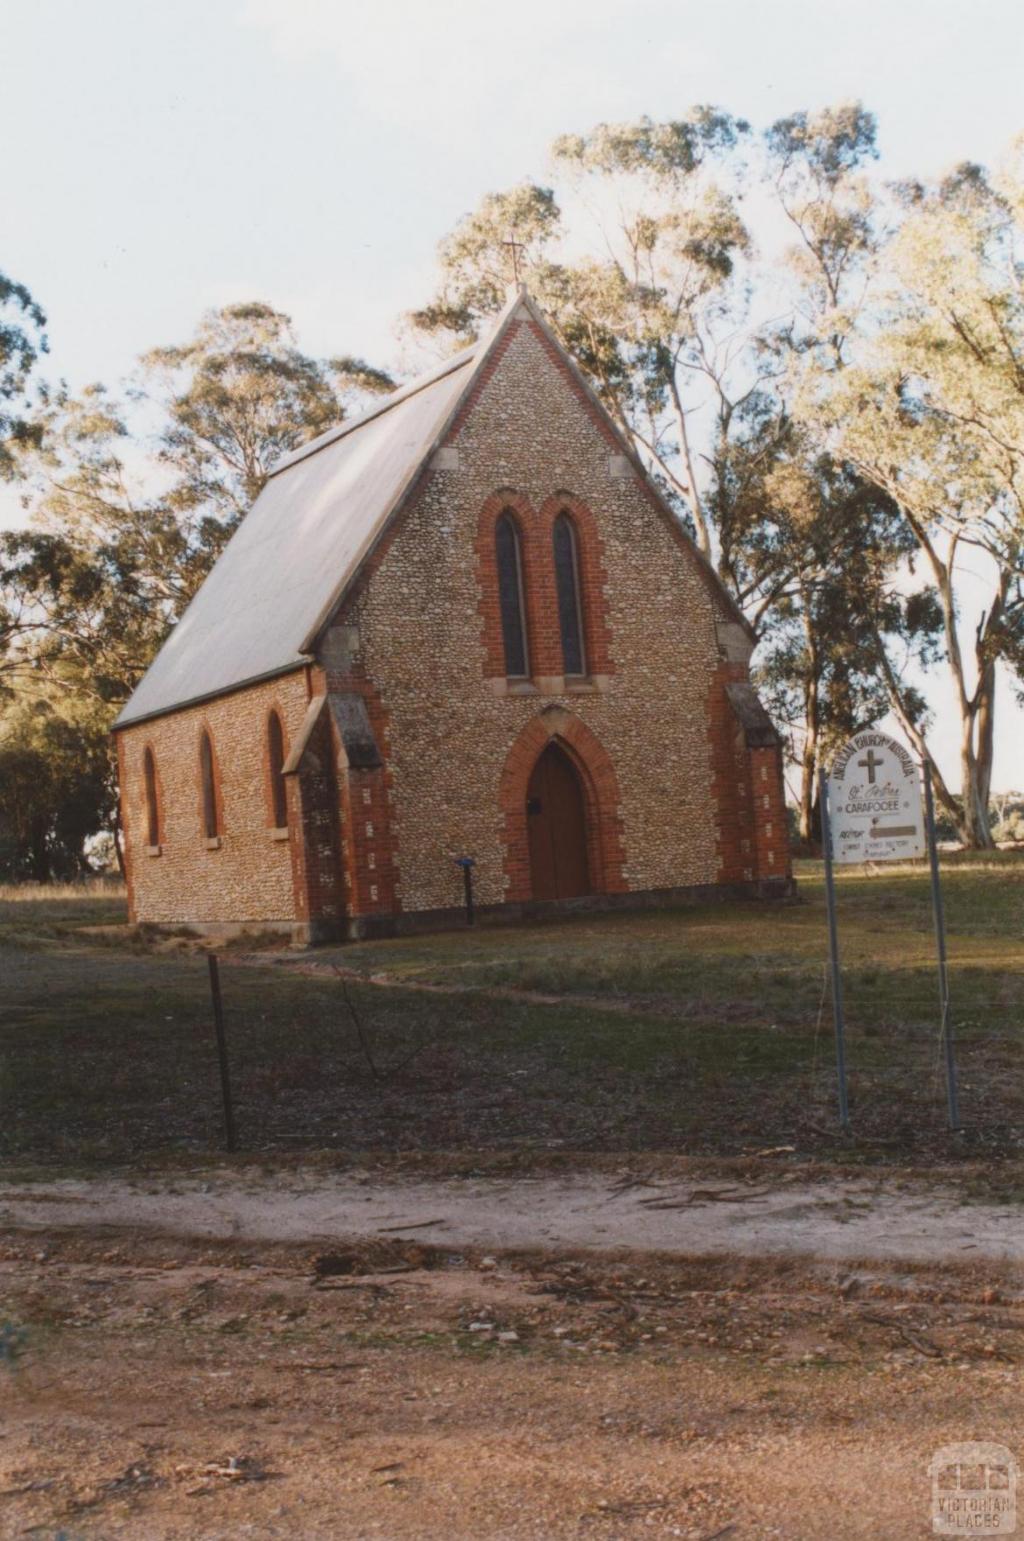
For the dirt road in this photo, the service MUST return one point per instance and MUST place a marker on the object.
(837, 1220)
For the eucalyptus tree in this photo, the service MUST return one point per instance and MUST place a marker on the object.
(931, 409)
(22, 340)
(825, 540)
(818, 543)
(237, 396)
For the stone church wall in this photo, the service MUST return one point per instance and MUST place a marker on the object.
(422, 628)
(247, 877)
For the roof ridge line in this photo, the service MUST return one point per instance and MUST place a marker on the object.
(476, 359)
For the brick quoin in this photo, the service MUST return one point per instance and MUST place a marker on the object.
(127, 853)
(752, 829)
(317, 865)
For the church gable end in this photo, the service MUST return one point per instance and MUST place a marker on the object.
(534, 568)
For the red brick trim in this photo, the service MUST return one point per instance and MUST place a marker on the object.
(127, 836)
(543, 631)
(506, 500)
(593, 580)
(773, 857)
(601, 791)
(752, 833)
(368, 838)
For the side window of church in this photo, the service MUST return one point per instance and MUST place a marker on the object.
(510, 595)
(275, 751)
(207, 771)
(570, 602)
(152, 805)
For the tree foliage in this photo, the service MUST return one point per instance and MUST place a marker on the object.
(234, 398)
(132, 498)
(22, 340)
(931, 410)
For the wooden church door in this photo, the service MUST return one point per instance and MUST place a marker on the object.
(556, 819)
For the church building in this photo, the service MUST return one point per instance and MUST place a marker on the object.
(463, 625)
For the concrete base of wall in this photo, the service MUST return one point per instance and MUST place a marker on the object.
(220, 930)
(359, 928)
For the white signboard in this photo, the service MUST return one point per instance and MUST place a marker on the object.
(875, 803)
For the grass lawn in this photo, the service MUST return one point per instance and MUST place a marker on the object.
(702, 1030)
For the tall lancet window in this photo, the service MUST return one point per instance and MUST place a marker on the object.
(509, 555)
(208, 774)
(570, 603)
(275, 752)
(152, 804)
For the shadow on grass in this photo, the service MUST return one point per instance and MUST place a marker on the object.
(702, 1030)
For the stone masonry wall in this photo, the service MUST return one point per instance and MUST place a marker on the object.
(426, 641)
(248, 877)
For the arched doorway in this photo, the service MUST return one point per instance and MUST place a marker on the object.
(556, 821)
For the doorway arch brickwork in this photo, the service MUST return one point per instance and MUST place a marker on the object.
(605, 853)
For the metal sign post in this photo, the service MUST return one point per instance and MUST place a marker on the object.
(940, 947)
(872, 810)
(833, 951)
(467, 863)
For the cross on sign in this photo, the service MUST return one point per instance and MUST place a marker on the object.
(871, 762)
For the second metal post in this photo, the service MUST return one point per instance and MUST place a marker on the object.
(833, 951)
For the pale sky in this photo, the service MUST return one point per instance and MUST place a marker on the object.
(162, 158)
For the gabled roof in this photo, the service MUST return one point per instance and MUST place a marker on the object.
(308, 530)
(301, 545)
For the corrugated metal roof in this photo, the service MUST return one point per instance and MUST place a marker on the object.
(305, 535)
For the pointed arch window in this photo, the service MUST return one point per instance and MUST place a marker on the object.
(508, 550)
(570, 599)
(208, 775)
(152, 801)
(275, 754)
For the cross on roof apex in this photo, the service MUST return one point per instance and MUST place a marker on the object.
(515, 247)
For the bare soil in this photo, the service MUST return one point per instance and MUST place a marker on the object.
(298, 1356)
(175, 1389)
